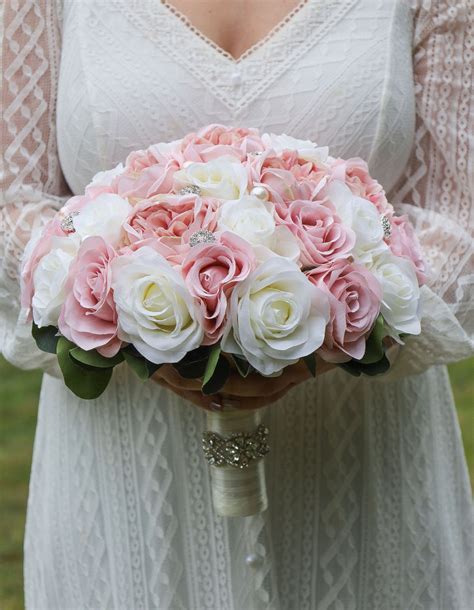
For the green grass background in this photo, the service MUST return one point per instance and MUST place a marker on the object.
(18, 401)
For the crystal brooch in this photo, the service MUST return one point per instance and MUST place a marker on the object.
(387, 227)
(191, 189)
(67, 223)
(201, 237)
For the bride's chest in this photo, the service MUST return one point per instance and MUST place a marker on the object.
(133, 72)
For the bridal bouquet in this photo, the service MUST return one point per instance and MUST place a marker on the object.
(227, 249)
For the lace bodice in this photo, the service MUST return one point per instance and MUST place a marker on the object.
(62, 124)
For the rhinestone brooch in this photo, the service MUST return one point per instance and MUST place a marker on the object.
(67, 224)
(238, 449)
(201, 237)
(387, 227)
(191, 189)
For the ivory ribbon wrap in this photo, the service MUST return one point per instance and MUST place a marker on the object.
(237, 492)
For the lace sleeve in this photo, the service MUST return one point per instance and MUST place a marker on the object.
(439, 181)
(32, 185)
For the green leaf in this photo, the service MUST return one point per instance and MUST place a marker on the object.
(216, 373)
(375, 349)
(356, 368)
(193, 365)
(142, 367)
(94, 359)
(310, 362)
(242, 365)
(46, 338)
(211, 363)
(83, 380)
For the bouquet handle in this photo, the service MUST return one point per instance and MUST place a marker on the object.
(234, 445)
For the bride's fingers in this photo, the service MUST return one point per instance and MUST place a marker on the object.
(256, 386)
(205, 402)
(169, 374)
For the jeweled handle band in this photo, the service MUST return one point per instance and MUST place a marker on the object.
(235, 444)
(238, 449)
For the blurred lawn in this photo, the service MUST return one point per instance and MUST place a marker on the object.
(18, 400)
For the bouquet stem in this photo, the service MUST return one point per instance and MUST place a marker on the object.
(237, 436)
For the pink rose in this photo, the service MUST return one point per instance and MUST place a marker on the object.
(354, 299)
(34, 252)
(146, 183)
(285, 176)
(210, 272)
(322, 235)
(88, 317)
(355, 173)
(217, 140)
(149, 172)
(404, 242)
(172, 220)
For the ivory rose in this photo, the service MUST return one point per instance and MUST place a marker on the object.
(363, 218)
(104, 217)
(306, 150)
(38, 246)
(253, 220)
(276, 317)
(156, 312)
(210, 272)
(88, 317)
(223, 178)
(354, 300)
(49, 280)
(102, 181)
(400, 293)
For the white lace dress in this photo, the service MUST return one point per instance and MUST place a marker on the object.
(370, 504)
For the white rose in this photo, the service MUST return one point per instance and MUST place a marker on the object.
(103, 217)
(401, 293)
(363, 218)
(155, 311)
(276, 317)
(106, 177)
(165, 149)
(49, 280)
(307, 150)
(224, 178)
(252, 219)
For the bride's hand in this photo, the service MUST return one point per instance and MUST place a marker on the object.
(253, 392)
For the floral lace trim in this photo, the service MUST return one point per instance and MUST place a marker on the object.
(236, 83)
(253, 48)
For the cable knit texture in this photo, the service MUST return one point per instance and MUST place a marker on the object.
(370, 504)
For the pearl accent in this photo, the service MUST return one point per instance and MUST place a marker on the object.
(253, 560)
(260, 192)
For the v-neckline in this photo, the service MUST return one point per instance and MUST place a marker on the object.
(236, 83)
(270, 35)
